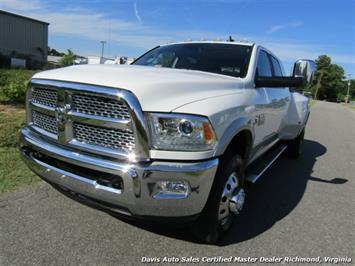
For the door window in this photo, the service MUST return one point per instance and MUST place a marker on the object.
(277, 67)
(263, 68)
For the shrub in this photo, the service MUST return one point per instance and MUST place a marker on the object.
(13, 84)
(12, 118)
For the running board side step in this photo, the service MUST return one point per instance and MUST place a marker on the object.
(259, 167)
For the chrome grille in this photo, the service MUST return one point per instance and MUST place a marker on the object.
(45, 122)
(100, 106)
(89, 118)
(45, 97)
(109, 138)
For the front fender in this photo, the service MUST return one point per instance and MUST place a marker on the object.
(238, 125)
(228, 114)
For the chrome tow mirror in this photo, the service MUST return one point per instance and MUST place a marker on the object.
(306, 69)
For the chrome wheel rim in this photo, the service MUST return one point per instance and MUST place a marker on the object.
(232, 199)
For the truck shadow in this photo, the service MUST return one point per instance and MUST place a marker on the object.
(271, 199)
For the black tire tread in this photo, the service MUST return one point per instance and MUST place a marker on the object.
(207, 227)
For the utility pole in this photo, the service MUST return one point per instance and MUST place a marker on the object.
(348, 93)
(102, 48)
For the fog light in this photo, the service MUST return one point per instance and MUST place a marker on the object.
(172, 190)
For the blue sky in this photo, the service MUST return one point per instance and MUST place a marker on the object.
(291, 29)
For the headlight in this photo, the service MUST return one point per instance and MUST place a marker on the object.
(180, 132)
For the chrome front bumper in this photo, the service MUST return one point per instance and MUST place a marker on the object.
(139, 180)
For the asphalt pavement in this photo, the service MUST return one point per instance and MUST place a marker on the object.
(303, 208)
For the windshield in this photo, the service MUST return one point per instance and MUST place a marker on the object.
(225, 59)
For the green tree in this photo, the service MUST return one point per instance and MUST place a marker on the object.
(328, 83)
(54, 52)
(67, 59)
(352, 89)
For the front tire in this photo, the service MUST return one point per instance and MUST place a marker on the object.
(225, 201)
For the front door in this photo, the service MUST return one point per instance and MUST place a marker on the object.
(271, 113)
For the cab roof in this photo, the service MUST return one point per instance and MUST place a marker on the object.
(215, 42)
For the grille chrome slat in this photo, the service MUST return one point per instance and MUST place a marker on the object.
(109, 138)
(100, 121)
(45, 122)
(100, 106)
(43, 109)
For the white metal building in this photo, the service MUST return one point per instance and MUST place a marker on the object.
(23, 36)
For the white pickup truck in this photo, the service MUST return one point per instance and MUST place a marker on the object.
(176, 135)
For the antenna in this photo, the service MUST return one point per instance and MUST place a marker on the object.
(230, 39)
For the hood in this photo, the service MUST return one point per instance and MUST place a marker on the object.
(157, 89)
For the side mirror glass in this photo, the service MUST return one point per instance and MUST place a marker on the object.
(306, 69)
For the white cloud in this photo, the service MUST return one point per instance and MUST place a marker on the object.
(293, 51)
(136, 13)
(21, 4)
(91, 25)
(275, 28)
(97, 26)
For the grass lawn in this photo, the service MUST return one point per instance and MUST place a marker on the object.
(351, 106)
(347, 105)
(13, 171)
(312, 103)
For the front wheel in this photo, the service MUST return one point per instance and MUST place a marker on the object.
(226, 200)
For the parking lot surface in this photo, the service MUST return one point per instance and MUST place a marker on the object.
(303, 208)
